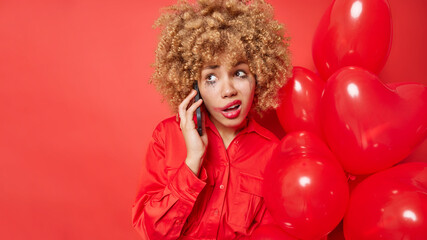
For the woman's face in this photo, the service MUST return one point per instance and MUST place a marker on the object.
(228, 93)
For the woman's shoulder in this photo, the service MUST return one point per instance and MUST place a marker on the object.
(167, 126)
(264, 132)
(169, 122)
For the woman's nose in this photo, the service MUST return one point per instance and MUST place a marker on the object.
(228, 89)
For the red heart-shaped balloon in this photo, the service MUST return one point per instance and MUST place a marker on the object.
(391, 204)
(299, 102)
(305, 188)
(353, 33)
(270, 232)
(368, 125)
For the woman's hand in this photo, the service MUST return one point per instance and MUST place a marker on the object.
(196, 144)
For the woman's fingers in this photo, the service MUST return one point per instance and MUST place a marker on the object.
(196, 145)
(204, 136)
(192, 109)
(187, 100)
(182, 108)
(186, 113)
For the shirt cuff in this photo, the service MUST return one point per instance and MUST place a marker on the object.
(186, 184)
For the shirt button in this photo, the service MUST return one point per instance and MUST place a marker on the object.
(221, 186)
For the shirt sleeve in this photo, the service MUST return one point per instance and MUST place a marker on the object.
(164, 202)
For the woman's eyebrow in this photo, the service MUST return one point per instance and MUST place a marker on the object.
(211, 67)
(239, 63)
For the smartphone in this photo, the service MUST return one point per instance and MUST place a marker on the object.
(198, 111)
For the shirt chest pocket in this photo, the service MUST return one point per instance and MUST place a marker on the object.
(247, 201)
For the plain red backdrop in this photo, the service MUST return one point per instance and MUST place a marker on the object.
(77, 112)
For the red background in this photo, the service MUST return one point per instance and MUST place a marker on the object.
(76, 111)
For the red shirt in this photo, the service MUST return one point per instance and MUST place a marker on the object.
(224, 202)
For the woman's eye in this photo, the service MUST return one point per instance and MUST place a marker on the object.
(211, 78)
(241, 74)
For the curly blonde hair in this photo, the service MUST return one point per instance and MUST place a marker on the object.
(197, 33)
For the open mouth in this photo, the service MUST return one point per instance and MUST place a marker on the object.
(232, 108)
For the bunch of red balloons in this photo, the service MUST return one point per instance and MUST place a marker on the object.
(344, 124)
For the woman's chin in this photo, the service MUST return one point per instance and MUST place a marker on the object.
(235, 123)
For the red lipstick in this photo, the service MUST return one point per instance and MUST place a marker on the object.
(231, 110)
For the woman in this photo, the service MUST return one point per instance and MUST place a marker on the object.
(209, 186)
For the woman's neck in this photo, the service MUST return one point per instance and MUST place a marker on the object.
(228, 133)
